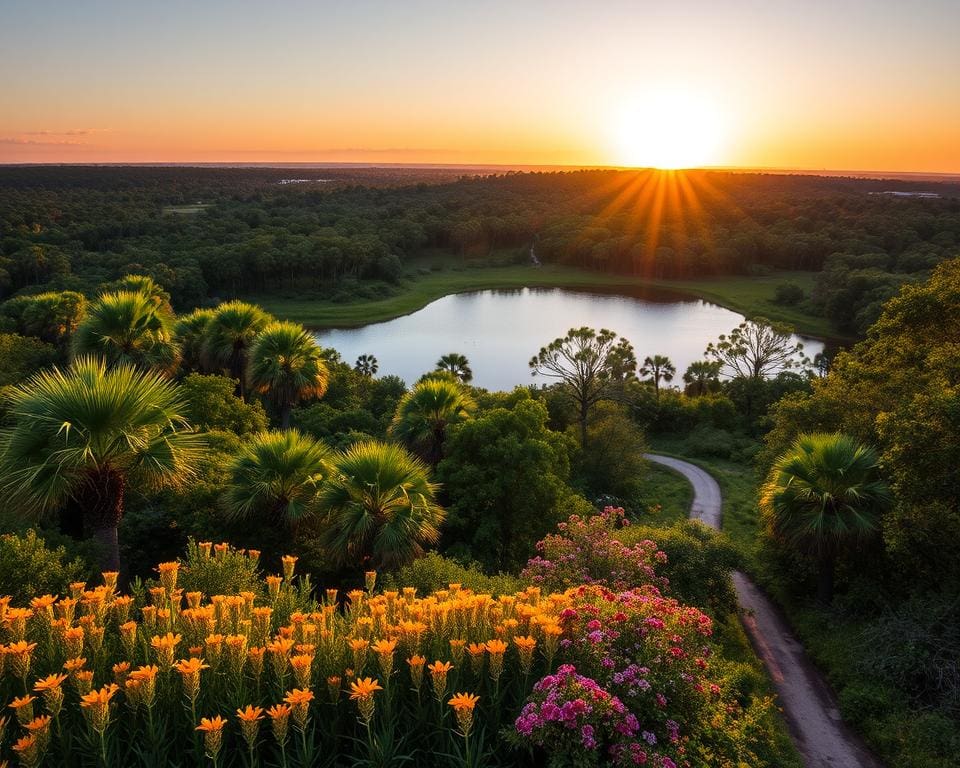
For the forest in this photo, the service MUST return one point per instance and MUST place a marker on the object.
(226, 545)
(207, 234)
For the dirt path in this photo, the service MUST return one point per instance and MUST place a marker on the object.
(808, 704)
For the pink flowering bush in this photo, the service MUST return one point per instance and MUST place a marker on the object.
(573, 715)
(586, 550)
(638, 687)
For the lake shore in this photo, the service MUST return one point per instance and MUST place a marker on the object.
(750, 296)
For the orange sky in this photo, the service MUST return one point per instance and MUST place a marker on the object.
(854, 85)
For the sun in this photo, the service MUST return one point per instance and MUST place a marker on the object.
(669, 129)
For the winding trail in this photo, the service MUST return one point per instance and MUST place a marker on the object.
(808, 704)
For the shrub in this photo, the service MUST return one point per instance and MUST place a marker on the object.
(29, 568)
(698, 563)
(587, 550)
(230, 571)
(434, 571)
(638, 677)
(788, 294)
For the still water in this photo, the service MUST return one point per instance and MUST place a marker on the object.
(499, 331)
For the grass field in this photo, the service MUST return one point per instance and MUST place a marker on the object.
(185, 210)
(751, 296)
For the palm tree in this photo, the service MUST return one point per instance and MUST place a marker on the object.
(81, 436)
(823, 495)
(287, 366)
(367, 365)
(456, 364)
(701, 376)
(189, 332)
(229, 334)
(128, 327)
(424, 414)
(279, 474)
(379, 507)
(658, 368)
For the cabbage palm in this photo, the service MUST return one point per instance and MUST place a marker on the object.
(379, 507)
(823, 495)
(81, 436)
(702, 376)
(456, 364)
(426, 412)
(286, 365)
(228, 337)
(128, 327)
(189, 332)
(658, 368)
(367, 365)
(278, 474)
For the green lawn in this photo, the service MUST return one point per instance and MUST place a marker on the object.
(667, 489)
(751, 296)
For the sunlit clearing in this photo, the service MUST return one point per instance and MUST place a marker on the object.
(668, 129)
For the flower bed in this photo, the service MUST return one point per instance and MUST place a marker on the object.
(269, 677)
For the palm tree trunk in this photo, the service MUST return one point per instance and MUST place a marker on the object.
(101, 500)
(108, 543)
(826, 567)
(285, 417)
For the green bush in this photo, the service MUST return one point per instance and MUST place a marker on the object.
(862, 701)
(434, 571)
(699, 563)
(228, 572)
(28, 567)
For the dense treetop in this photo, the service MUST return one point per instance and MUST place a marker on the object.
(217, 232)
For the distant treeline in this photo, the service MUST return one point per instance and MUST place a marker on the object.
(216, 232)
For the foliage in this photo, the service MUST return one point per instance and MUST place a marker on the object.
(456, 364)
(80, 436)
(756, 349)
(898, 390)
(588, 550)
(639, 673)
(702, 376)
(590, 367)
(425, 414)
(189, 332)
(611, 462)
(212, 405)
(698, 564)
(788, 294)
(227, 338)
(499, 467)
(52, 316)
(228, 572)
(658, 368)
(277, 476)
(378, 506)
(433, 571)
(129, 328)
(367, 365)
(22, 357)
(29, 568)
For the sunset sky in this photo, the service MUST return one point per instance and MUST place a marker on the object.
(818, 84)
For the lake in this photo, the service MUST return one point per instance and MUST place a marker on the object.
(499, 331)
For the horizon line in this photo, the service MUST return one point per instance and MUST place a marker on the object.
(242, 164)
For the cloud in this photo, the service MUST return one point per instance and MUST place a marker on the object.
(72, 132)
(34, 143)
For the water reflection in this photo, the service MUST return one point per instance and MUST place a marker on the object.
(500, 330)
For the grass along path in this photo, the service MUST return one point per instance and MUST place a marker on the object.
(751, 296)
